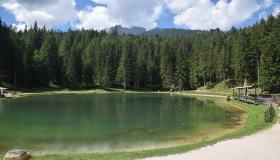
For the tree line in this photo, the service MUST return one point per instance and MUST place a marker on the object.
(37, 57)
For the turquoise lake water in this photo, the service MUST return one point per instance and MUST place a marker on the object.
(109, 122)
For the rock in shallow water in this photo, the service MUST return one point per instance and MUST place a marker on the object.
(18, 154)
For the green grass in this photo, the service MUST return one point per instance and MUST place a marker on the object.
(255, 122)
(224, 89)
(220, 87)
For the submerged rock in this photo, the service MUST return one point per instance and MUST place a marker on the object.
(18, 154)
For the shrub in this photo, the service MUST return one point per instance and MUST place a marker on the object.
(269, 114)
(231, 83)
(210, 85)
(228, 98)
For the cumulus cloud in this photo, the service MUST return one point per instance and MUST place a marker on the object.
(205, 14)
(263, 15)
(276, 10)
(95, 17)
(267, 3)
(193, 14)
(127, 13)
(45, 12)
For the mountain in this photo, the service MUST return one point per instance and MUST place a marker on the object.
(125, 31)
(165, 32)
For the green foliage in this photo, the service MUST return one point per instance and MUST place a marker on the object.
(231, 83)
(270, 60)
(37, 57)
(269, 114)
(210, 85)
(167, 65)
(228, 98)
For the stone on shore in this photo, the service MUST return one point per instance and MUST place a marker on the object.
(17, 154)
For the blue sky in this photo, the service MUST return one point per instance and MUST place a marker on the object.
(100, 14)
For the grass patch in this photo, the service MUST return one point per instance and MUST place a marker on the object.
(224, 87)
(255, 122)
(220, 87)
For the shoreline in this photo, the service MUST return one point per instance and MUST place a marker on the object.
(266, 141)
(240, 132)
(20, 94)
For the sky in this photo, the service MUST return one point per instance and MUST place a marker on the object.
(102, 14)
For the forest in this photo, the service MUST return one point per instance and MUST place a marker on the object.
(39, 57)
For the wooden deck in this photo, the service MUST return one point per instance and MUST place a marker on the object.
(257, 100)
(3, 91)
(248, 99)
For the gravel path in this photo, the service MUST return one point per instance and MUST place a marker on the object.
(264, 145)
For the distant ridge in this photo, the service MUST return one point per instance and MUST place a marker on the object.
(126, 31)
(166, 32)
(173, 32)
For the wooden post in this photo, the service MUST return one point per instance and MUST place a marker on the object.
(258, 67)
(204, 81)
(256, 92)
(124, 79)
(256, 97)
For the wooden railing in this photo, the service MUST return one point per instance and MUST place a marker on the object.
(248, 99)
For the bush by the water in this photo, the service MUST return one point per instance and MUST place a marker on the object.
(210, 85)
(228, 98)
(269, 114)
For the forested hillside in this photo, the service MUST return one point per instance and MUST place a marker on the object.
(37, 57)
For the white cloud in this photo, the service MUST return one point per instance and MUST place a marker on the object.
(204, 14)
(95, 17)
(263, 15)
(45, 12)
(127, 13)
(193, 14)
(276, 10)
(20, 26)
(267, 3)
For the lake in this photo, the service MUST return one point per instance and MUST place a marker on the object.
(111, 122)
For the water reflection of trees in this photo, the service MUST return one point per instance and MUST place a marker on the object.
(177, 111)
(1, 106)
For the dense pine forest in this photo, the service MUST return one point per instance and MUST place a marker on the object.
(38, 57)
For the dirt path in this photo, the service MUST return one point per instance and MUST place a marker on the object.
(264, 145)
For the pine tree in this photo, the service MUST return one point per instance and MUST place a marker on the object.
(182, 66)
(49, 58)
(74, 65)
(270, 60)
(167, 65)
(64, 51)
(28, 59)
(126, 67)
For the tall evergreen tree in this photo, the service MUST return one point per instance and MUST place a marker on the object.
(126, 68)
(270, 60)
(167, 65)
(36, 56)
(74, 65)
(182, 65)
